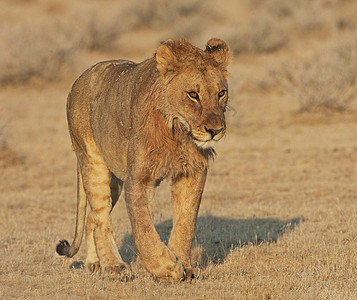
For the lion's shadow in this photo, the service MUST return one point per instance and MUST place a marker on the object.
(215, 236)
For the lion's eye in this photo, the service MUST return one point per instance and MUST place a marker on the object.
(193, 95)
(222, 93)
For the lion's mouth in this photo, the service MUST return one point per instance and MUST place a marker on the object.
(205, 140)
(205, 144)
(201, 139)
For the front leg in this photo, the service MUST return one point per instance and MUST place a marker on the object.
(158, 259)
(186, 197)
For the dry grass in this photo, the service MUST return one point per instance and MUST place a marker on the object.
(279, 213)
(8, 157)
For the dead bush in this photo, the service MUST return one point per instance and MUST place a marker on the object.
(159, 13)
(325, 81)
(8, 157)
(303, 15)
(182, 17)
(263, 35)
(33, 50)
(273, 22)
(98, 30)
(43, 47)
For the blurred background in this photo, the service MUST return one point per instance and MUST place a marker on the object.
(54, 40)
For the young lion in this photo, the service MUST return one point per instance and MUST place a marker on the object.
(135, 125)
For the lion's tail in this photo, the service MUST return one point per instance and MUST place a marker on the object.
(63, 247)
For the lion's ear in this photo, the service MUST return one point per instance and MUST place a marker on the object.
(219, 50)
(166, 60)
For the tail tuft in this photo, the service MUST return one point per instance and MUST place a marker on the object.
(63, 248)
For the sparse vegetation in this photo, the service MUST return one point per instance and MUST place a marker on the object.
(325, 81)
(46, 46)
(8, 157)
(274, 24)
(34, 52)
(262, 35)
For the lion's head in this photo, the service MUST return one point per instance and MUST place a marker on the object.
(197, 89)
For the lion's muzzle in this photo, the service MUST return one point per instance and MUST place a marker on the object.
(213, 132)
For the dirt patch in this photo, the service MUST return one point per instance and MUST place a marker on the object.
(9, 157)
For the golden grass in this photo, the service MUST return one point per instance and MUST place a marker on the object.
(279, 213)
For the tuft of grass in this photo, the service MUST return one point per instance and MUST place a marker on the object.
(8, 157)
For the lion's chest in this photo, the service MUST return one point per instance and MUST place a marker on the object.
(179, 160)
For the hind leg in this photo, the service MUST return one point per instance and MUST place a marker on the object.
(92, 264)
(99, 232)
(92, 261)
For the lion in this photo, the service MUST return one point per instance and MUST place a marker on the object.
(133, 125)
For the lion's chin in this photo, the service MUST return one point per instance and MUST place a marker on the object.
(205, 145)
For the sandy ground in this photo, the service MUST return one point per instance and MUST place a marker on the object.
(278, 218)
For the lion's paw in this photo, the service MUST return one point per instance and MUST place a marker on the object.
(92, 267)
(121, 271)
(169, 268)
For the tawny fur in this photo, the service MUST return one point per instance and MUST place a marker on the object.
(135, 125)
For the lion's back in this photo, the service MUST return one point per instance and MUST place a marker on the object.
(99, 107)
(90, 94)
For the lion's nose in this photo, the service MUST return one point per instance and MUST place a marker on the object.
(213, 132)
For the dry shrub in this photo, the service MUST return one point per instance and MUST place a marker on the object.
(263, 35)
(98, 33)
(182, 18)
(273, 22)
(325, 81)
(8, 157)
(161, 13)
(99, 29)
(301, 15)
(33, 50)
(44, 47)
